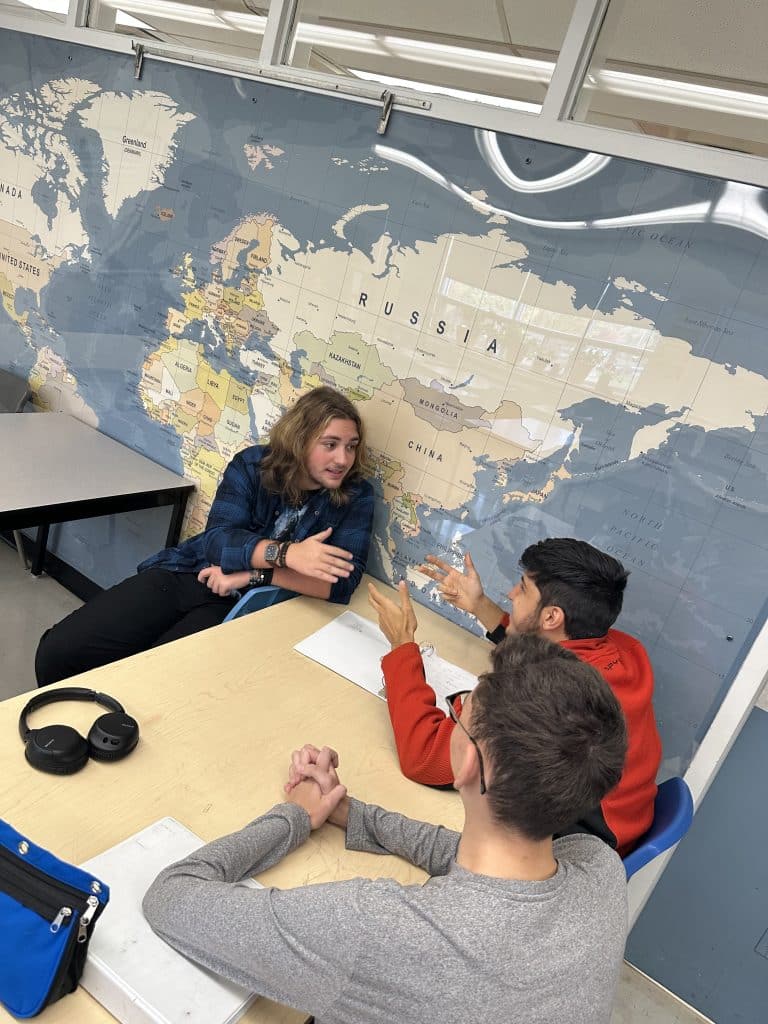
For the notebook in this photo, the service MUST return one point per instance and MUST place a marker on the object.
(132, 972)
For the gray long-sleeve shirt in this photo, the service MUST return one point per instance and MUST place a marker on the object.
(460, 948)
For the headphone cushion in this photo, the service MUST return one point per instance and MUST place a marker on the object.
(112, 737)
(58, 749)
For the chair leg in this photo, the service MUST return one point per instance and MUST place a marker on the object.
(20, 548)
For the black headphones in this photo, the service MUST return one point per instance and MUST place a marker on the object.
(61, 750)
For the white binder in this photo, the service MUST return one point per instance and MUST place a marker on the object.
(132, 972)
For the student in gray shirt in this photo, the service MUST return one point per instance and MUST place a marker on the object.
(510, 927)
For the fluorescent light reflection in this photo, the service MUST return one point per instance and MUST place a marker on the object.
(739, 206)
(48, 6)
(488, 144)
(671, 90)
(420, 167)
(128, 20)
(444, 90)
(484, 62)
(192, 14)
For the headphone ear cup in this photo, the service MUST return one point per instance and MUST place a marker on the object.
(112, 737)
(58, 749)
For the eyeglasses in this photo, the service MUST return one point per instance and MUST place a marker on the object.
(472, 740)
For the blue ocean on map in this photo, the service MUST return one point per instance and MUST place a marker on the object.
(607, 378)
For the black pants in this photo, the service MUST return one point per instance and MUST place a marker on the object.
(146, 610)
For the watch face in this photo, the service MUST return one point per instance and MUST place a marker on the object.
(271, 551)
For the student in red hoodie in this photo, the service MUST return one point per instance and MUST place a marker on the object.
(570, 593)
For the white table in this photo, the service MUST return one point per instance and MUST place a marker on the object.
(57, 469)
(220, 712)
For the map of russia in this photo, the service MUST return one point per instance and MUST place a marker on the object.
(177, 266)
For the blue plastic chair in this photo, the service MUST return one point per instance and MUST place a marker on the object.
(255, 600)
(672, 817)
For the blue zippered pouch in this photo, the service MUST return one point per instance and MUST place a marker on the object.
(47, 912)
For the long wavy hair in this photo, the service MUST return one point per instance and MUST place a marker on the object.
(283, 466)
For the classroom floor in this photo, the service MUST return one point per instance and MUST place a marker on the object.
(28, 605)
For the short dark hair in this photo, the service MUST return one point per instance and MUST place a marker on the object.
(583, 581)
(553, 733)
(290, 439)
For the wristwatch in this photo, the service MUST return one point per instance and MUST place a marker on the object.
(271, 553)
(260, 578)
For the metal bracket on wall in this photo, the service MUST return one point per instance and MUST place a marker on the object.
(138, 62)
(348, 88)
(387, 99)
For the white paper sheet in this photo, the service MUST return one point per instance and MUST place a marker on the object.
(130, 970)
(353, 647)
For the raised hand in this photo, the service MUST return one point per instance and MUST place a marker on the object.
(222, 583)
(397, 622)
(313, 557)
(463, 590)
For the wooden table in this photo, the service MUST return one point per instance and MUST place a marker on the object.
(57, 469)
(220, 713)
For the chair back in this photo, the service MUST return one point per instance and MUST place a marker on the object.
(672, 817)
(14, 392)
(255, 600)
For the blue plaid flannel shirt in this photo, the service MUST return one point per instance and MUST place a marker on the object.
(244, 512)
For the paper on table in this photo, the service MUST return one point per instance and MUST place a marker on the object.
(130, 970)
(353, 647)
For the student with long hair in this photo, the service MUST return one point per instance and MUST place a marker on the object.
(295, 513)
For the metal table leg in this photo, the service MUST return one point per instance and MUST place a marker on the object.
(38, 556)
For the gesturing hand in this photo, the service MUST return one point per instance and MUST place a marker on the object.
(313, 557)
(222, 583)
(397, 622)
(463, 590)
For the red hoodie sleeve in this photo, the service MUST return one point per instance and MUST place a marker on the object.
(422, 731)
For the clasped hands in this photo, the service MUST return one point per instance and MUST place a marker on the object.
(313, 784)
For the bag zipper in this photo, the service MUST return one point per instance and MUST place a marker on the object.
(47, 897)
(86, 917)
(58, 903)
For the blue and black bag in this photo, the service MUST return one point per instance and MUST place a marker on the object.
(47, 912)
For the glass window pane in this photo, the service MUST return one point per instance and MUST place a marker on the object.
(494, 51)
(234, 27)
(692, 70)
